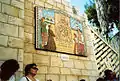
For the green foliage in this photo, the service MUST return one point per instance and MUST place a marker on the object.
(74, 10)
(92, 14)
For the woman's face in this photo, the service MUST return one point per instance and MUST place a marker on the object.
(34, 70)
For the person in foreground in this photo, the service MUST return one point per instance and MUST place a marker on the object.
(8, 69)
(30, 72)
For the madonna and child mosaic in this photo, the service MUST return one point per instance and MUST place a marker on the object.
(56, 31)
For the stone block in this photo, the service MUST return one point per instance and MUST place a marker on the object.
(75, 72)
(29, 29)
(69, 64)
(64, 71)
(21, 66)
(29, 48)
(92, 78)
(28, 20)
(15, 42)
(28, 5)
(53, 54)
(5, 1)
(29, 13)
(86, 72)
(40, 3)
(28, 38)
(72, 78)
(42, 69)
(56, 61)
(3, 40)
(10, 30)
(40, 77)
(21, 32)
(41, 59)
(0, 7)
(15, 21)
(50, 2)
(53, 70)
(21, 13)
(8, 53)
(48, 5)
(28, 58)
(52, 77)
(94, 73)
(7, 9)
(3, 17)
(20, 55)
(88, 64)
(62, 78)
(17, 4)
(79, 64)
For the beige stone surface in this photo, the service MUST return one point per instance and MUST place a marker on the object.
(17, 4)
(3, 17)
(15, 42)
(52, 77)
(79, 64)
(28, 5)
(10, 30)
(62, 78)
(10, 10)
(75, 72)
(21, 32)
(29, 48)
(0, 7)
(53, 70)
(39, 3)
(48, 5)
(28, 38)
(72, 78)
(28, 20)
(69, 64)
(3, 40)
(41, 59)
(56, 61)
(8, 53)
(42, 69)
(86, 72)
(21, 13)
(15, 21)
(20, 55)
(28, 58)
(29, 29)
(5, 1)
(88, 64)
(29, 13)
(64, 71)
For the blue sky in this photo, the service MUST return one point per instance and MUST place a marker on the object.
(79, 3)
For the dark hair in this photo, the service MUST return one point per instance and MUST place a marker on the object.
(28, 67)
(100, 79)
(107, 72)
(8, 68)
(82, 80)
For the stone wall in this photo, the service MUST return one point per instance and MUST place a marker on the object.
(17, 40)
(12, 31)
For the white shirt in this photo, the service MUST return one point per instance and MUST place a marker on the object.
(24, 79)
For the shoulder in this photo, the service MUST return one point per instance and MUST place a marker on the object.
(23, 79)
(37, 80)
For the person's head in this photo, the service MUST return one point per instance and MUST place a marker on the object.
(31, 69)
(82, 80)
(42, 19)
(108, 73)
(100, 79)
(8, 68)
